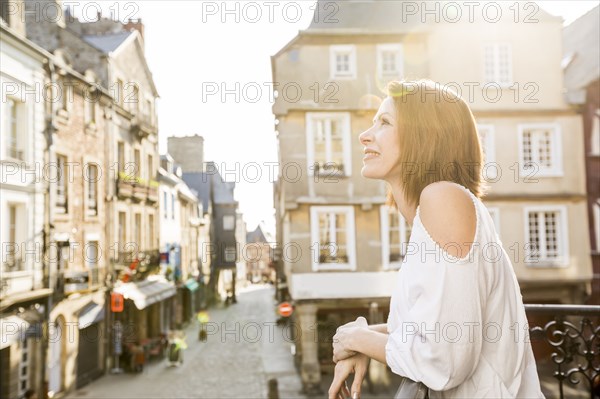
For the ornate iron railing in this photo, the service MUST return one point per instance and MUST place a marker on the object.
(568, 346)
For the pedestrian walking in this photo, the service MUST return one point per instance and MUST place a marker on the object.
(457, 326)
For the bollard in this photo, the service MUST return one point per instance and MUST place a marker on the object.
(273, 390)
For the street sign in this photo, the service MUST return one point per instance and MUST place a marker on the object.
(116, 302)
(285, 309)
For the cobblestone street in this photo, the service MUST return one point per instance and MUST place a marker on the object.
(232, 363)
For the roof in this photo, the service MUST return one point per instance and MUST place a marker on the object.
(200, 183)
(108, 42)
(256, 236)
(581, 43)
(222, 191)
(366, 16)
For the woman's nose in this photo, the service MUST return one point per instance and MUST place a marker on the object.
(366, 137)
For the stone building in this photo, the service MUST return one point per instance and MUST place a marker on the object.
(340, 244)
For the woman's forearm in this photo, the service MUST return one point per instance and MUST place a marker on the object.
(381, 328)
(371, 343)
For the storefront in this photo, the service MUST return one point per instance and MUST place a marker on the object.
(145, 319)
(89, 354)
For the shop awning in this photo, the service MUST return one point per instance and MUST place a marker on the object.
(145, 293)
(92, 313)
(191, 285)
(13, 329)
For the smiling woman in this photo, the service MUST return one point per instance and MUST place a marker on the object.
(454, 312)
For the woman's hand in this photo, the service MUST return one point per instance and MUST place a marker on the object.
(357, 365)
(341, 340)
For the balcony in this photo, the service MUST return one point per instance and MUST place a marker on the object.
(566, 343)
(142, 127)
(134, 265)
(72, 281)
(137, 188)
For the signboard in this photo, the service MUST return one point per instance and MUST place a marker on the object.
(116, 302)
(285, 309)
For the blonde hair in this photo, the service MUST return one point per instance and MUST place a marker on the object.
(438, 139)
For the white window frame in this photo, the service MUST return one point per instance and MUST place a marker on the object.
(494, 75)
(596, 212)
(595, 134)
(562, 236)
(348, 211)
(349, 49)
(384, 211)
(494, 212)
(89, 210)
(557, 159)
(398, 50)
(489, 148)
(344, 119)
(21, 126)
(62, 177)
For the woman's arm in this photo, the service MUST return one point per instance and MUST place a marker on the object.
(362, 340)
(381, 328)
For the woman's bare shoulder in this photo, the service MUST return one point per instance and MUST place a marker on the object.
(448, 214)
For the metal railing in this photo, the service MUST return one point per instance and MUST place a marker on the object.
(567, 348)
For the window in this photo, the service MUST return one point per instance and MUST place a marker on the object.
(92, 255)
(332, 238)
(122, 233)
(596, 211)
(497, 64)
(540, 150)
(172, 206)
(119, 94)
(228, 222)
(121, 156)
(138, 229)
(389, 61)
(150, 168)
(595, 134)
(395, 234)
(90, 110)
(486, 137)
(4, 12)
(134, 101)
(15, 123)
(13, 261)
(328, 145)
(546, 236)
(92, 187)
(495, 215)
(342, 61)
(61, 204)
(165, 206)
(137, 159)
(66, 94)
(150, 231)
(24, 366)
(230, 254)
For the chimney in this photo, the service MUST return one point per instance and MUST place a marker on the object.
(135, 24)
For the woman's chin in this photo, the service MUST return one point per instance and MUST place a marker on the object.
(369, 173)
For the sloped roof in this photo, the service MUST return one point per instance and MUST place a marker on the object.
(581, 43)
(109, 42)
(199, 182)
(256, 236)
(368, 16)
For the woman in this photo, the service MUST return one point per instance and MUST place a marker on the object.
(457, 321)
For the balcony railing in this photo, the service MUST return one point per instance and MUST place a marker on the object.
(71, 281)
(137, 188)
(566, 342)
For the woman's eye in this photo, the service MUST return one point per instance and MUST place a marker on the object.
(384, 122)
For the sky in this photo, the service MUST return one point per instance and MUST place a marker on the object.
(195, 58)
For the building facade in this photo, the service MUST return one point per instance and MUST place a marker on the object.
(340, 244)
(25, 296)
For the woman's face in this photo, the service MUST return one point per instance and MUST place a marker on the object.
(381, 144)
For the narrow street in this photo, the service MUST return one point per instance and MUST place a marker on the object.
(236, 361)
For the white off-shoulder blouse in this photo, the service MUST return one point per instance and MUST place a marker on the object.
(459, 325)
